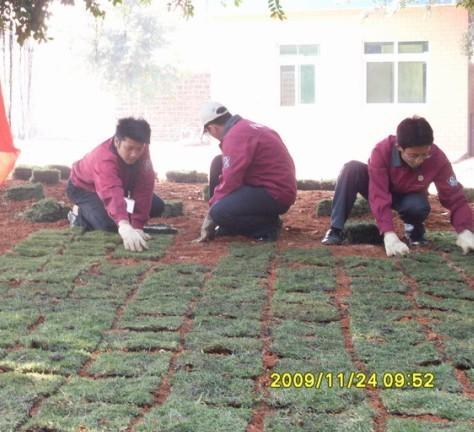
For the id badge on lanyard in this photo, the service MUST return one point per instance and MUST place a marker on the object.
(130, 203)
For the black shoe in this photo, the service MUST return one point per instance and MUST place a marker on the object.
(269, 236)
(415, 235)
(334, 236)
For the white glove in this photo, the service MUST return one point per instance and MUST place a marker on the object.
(143, 234)
(393, 245)
(465, 241)
(207, 230)
(132, 240)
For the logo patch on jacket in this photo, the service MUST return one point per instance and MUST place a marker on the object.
(225, 162)
(452, 181)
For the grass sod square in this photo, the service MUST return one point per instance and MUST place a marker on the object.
(174, 278)
(324, 344)
(227, 327)
(163, 305)
(429, 302)
(46, 210)
(156, 249)
(359, 419)
(61, 269)
(194, 416)
(231, 309)
(113, 390)
(213, 389)
(16, 267)
(428, 401)
(240, 365)
(305, 280)
(412, 425)
(130, 364)
(44, 242)
(212, 343)
(62, 414)
(18, 392)
(140, 341)
(313, 307)
(136, 322)
(317, 400)
(172, 208)
(93, 243)
(75, 325)
(363, 233)
(25, 192)
(48, 362)
(316, 256)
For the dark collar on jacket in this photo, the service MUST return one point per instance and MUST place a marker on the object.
(396, 160)
(230, 123)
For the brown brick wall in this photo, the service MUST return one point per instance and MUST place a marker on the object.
(174, 115)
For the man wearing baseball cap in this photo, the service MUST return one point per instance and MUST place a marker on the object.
(251, 183)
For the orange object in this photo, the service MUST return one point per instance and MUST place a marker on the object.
(8, 153)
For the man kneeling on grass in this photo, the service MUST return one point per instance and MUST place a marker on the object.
(112, 186)
(398, 174)
(251, 183)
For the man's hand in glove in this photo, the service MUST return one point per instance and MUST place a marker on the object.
(132, 239)
(465, 241)
(393, 245)
(207, 230)
(143, 234)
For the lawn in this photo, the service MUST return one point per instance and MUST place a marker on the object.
(94, 338)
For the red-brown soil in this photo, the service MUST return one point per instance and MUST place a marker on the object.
(302, 228)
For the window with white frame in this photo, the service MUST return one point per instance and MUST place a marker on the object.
(298, 74)
(396, 71)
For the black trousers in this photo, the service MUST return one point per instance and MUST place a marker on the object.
(249, 210)
(92, 213)
(413, 208)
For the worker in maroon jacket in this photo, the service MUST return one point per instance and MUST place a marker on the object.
(112, 186)
(398, 174)
(252, 182)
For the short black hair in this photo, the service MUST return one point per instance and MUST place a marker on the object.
(414, 132)
(136, 129)
(220, 120)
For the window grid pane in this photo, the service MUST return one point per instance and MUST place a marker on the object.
(308, 50)
(378, 47)
(287, 85)
(412, 47)
(307, 84)
(380, 82)
(288, 49)
(412, 82)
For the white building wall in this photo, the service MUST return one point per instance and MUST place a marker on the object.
(341, 126)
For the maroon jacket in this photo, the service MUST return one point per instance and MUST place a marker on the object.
(255, 155)
(104, 172)
(389, 174)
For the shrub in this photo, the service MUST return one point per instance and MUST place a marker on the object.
(48, 176)
(328, 185)
(469, 192)
(186, 177)
(25, 192)
(22, 172)
(63, 169)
